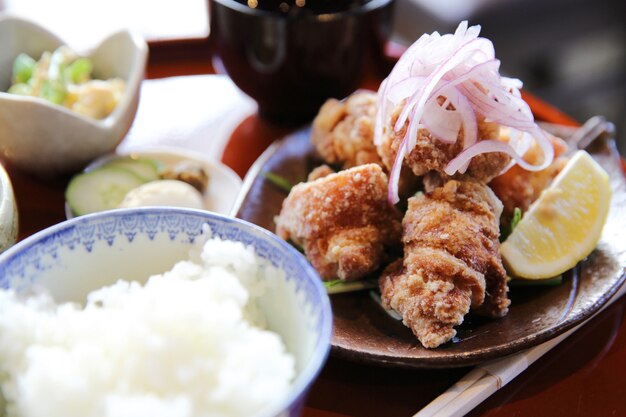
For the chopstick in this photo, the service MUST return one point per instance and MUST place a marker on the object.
(483, 381)
(477, 385)
(593, 129)
(463, 385)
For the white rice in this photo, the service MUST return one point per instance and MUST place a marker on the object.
(187, 343)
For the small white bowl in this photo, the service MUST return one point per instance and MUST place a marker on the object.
(46, 139)
(79, 255)
(224, 183)
(8, 212)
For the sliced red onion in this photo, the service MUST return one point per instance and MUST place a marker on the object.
(470, 126)
(415, 103)
(401, 90)
(468, 116)
(513, 84)
(398, 73)
(493, 65)
(443, 124)
(394, 175)
(520, 141)
(494, 111)
(487, 146)
(461, 70)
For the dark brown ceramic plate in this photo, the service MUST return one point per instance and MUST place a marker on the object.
(364, 332)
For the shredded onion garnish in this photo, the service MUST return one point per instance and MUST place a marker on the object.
(442, 82)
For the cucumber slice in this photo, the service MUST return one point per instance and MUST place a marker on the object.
(101, 189)
(148, 169)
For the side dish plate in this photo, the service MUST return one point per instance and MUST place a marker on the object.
(364, 332)
(224, 183)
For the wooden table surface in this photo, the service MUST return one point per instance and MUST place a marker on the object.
(584, 376)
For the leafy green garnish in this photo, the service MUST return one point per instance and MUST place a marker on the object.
(337, 286)
(506, 231)
(278, 181)
(517, 216)
(23, 67)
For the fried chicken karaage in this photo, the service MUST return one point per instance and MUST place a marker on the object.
(343, 131)
(439, 121)
(343, 222)
(519, 188)
(431, 155)
(451, 262)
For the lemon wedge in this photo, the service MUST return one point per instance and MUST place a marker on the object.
(565, 223)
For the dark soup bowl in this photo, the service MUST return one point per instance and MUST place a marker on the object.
(292, 55)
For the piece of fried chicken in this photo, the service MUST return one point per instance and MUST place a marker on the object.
(451, 261)
(343, 221)
(343, 131)
(433, 155)
(519, 188)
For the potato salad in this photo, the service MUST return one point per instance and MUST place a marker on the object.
(62, 77)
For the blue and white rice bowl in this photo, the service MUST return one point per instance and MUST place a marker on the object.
(85, 253)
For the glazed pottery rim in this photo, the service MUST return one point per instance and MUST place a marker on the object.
(368, 6)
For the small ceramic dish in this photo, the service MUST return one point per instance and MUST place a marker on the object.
(8, 212)
(224, 184)
(46, 139)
